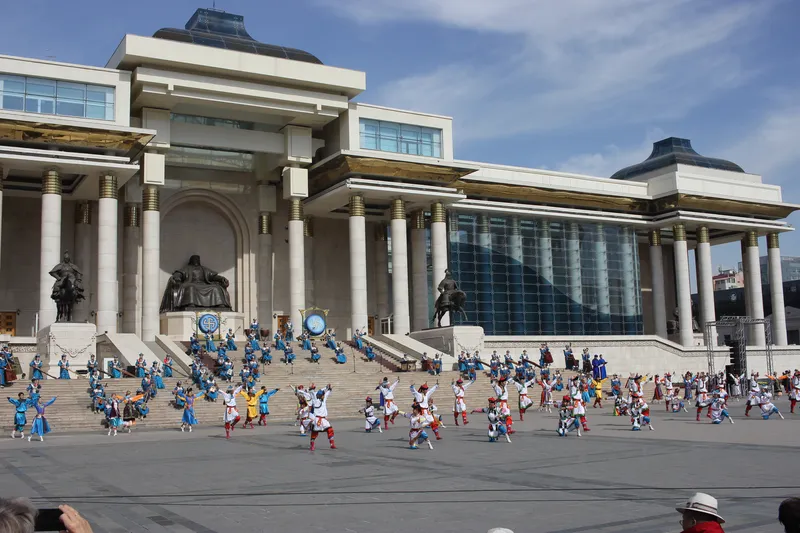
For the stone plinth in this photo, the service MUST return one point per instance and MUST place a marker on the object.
(179, 325)
(76, 340)
(452, 339)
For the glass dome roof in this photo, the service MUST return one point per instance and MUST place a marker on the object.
(671, 151)
(209, 27)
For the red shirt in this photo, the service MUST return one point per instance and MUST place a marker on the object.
(705, 527)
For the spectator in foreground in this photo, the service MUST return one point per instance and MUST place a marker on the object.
(700, 515)
(19, 516)
(789, 515)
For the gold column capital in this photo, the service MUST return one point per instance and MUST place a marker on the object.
(751, 239)
(398, 209)
(773, 241)
(654, 237)
(132, 218)
(295, 209)
(51, 182)
(702, 234)
(357, 207)
(108, 186)
(437, 212)
(308, 226)
(418, 219)
(679, 232)
(83, 212)
(265, 224)
(150, 198)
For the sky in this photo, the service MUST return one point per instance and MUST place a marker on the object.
(584, 86)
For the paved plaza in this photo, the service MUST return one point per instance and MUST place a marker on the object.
(266, 480)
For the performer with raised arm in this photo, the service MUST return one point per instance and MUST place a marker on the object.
(231, 416)
(371, 421)
(319, 406)
(767, 407)
(460, 389)
(423, 397)
(251, 398)
(497, 425)
(263, 404)
(417, 422)
(794, 394)
(390, 408)
(719, 411)
(546, 401)
(524, 401)
(640, 415)
(20, 420)
(566, 419)
(40, 426)
(500, 387)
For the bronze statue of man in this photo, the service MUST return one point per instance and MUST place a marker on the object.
(446, 288)
(68, 287)
(195, 287)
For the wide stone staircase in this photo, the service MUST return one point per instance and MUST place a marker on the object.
(351, 383)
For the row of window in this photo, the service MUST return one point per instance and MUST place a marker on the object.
(56, 97)
(400, 138)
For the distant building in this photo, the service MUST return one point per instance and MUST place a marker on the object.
(728, 278)
(790, 267)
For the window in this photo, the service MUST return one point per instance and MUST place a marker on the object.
(211, 121)
(400, 138)
(54, 97)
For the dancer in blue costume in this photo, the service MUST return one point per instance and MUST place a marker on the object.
(369, 352)
(33, 389)
(40, 425)
(289, 328)
(330, 340)
(115, 368)
(141, 403)
(98, 397)
(230, 337)
(36, 367)
(288, 355)
(21, 403)
(187, 401)
(254, 328)
(148, 387)
(178, 392)
(315, 356)
(168, 362)
(254, 371)
(211, 390)
(141, 366)
(244, 373)
(341, 358)
(358, 340)
(210, 346)
(95, 378)
(263, 404)
(63, 365)
(194, 344)
(279, 344)
(92, 365)
(306, 338)
(222, 351)
(155, 373)
(476, 360)
(253, 342)
(227, 371)
(437, 365)
(3, 366)
(266, 355)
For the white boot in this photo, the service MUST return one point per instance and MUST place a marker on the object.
(780, 415)
(430, 444)
(508, 438)
(109, 432)
(730, 420)
(115, 432)
(29, 438)
(380, 429)
(129, 429)
(651, 427)
(182, 430)
(41, 438)
(13, 434)
(190, 429)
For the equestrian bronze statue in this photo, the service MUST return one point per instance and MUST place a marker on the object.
(67, 289)
(451, 299)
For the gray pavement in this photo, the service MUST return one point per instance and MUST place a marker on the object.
(611, 479)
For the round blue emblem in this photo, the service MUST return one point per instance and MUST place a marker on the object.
(208, 323)
(315, 324)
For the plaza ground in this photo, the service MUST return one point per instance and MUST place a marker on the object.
(611, 479)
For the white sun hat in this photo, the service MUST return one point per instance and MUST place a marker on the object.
(701, 503)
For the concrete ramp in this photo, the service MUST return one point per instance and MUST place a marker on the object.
(414, 348)
(125, 346)
(176, 351)
(390, 351)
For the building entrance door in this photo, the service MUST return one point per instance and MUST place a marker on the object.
(282, 320)
(371, 326)
(8, 323)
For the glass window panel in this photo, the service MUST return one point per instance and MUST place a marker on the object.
(12, 84)
(35, 104)
(40, 87)
(11, 101)
(96, 93)
(97, 111)
(110, 111)
(70, 108)
(69, 90)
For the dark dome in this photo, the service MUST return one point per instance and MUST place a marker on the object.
(209, 27)
(672, 151)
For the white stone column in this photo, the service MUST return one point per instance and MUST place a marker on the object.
(516, 298)
(575, 277)
(753, 286)
(779, 337)
(308, 259)
(381, 272)
(297, 266)
(82, 256)
(601, 271)
(50, 254)
(400, 309)
(438, 252)
(419, 271)
(705, 284)
(358, 264)
(682, 283)
(629, 311)
(151, 262)
(107, 236)
(265, 286)
(131, 259)
(657, 277)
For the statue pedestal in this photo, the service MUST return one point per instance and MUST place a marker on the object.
(451, 339)
(77, 340)
(179, 325)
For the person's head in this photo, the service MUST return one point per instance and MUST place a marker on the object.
(17, 515)
(21, 395)
(698, 509)
(368, 400)
(789, 515)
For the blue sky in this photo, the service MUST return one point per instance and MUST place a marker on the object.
(582, 85)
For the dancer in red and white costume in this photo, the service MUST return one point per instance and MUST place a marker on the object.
(303, 408)
(422, 397)
(754, 395)
(524, 400)
(390, 409)
(635, 389)
(669, 390)
(546, 402)
(319, 404)
(501, 390)
(794, 395)
(459, 389)
(231, 416)
(702, 395)
(579, 409)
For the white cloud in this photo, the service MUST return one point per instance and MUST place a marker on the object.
(568, 63)
(611, 158)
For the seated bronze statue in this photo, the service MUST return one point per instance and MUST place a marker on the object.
(195, 287)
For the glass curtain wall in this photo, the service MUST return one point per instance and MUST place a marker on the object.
(540, 277)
